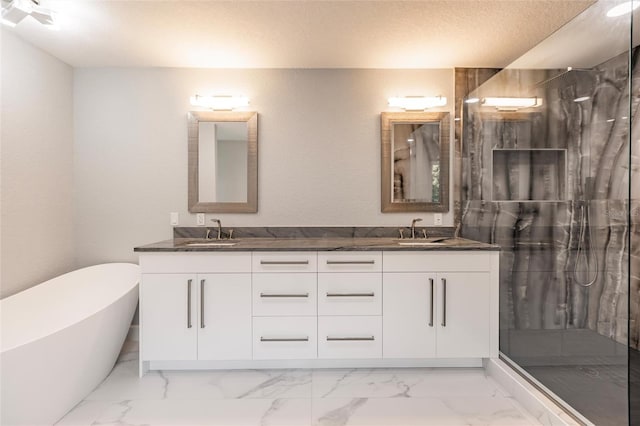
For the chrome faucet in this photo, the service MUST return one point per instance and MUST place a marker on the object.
(219, 229)
(413, 227)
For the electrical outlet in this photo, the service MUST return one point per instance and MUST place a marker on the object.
(437, 219)
(200, 219)
(175, 219)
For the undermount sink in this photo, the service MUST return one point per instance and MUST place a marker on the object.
(428, 242)
(211, 244)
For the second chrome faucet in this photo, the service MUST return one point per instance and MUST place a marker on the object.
(219, 237)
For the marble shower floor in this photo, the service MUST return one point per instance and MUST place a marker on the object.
(341, 397)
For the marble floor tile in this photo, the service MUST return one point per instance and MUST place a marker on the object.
(327, 397)
(85, 413)
(400, 383)
(124, 383)
(416, 411)
(239, 384)
(234, 412)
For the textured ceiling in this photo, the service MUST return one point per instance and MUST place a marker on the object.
(298, 34)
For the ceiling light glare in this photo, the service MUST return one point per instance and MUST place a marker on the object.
(417, 103)
(582, 99)
(220, 103)
(511, 104)
(623, 8)
(472, 101)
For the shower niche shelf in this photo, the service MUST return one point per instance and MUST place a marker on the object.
(536, 174)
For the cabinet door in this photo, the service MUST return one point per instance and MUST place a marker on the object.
(224, 321)
(408, 315)
(168, 314)
(464, 315)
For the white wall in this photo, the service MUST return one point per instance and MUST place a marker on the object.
(318, 147)
(36, 166)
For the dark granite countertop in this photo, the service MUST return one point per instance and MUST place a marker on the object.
(315, 244)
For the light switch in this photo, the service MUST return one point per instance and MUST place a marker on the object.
(175, 219)
(200, 219)
(437, 219)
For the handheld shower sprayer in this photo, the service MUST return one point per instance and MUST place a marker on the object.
(586, 254)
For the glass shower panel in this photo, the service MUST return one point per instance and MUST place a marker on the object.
(547, 175)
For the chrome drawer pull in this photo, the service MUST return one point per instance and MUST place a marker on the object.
(444, 302)
(351, 262)
(202, 303)
(283, 295)
(431, 310)
(189, 303)
(284, 339)
(284, 262)
(354, 339)
(372, 294)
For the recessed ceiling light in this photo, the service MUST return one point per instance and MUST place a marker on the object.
(581, 99)
(623, 8)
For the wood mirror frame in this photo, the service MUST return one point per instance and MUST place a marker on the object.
(388, 120)
(198, 206)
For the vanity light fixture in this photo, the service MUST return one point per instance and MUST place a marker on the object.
(623, 8)
(417, 103)
(14, 11)
(511, 104)
(220, 103)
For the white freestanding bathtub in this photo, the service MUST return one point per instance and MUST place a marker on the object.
(61, 338)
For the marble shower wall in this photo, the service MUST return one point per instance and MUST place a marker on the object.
(551, 186)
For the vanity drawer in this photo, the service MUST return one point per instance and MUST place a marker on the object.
(351, 261)
(194, 262)
(285, 338)
(300, 261)
(350, 337)
(292, 294)
(350, 294)
(441, 261)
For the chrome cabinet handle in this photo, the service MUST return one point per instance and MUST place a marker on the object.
(354, 339)
(372, 294)
(444, 302)
(351, 262)
(189, 303)
(284, 339)
(202, 303)
(283, 295)
(431, 303)
(284, 262)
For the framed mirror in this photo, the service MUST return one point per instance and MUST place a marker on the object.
(415, 161)
(223, 162)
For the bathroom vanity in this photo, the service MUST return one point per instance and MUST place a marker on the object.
(328, 302)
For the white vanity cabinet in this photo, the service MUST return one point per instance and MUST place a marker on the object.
(345, 309)
(431, 311)
(202, 315)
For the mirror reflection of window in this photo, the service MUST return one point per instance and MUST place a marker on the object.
(416, 162)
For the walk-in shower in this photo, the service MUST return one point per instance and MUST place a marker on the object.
(551, 183)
